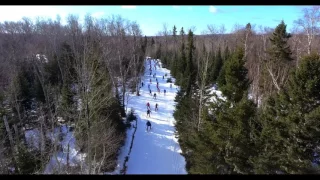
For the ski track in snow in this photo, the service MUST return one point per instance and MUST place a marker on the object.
(156, 151)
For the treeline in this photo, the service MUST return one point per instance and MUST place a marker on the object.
(76, 75)
(267, 120)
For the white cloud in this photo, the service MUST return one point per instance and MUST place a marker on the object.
(176, 7)
(128, 7)
(213, 9)
(97, 14)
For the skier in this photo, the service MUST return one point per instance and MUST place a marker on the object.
(164, 91)
(156, 108)
(142, 84)
(157, 80)
(149, 86)
(157, 83)
(150, 81)
(170, 85)
(148, 105)
(154, 96)
(162, 77)
(148, 112)
(150, 92)
(148, 125)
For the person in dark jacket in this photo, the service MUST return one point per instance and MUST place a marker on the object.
(141, 84)
(154, 96)
(164, 91)
(148, 112)
(156, 108)
(148, 125)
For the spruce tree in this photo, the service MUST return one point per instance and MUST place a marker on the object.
(217, 65)
(221, 78)
(277, 66)
(290, 136)
(236, 81)
(189, 73)
(228, 131)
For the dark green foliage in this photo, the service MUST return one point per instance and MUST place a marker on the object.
(190, 72)
(131, 117)
(67, 97)
(221, 78)
(216, 67)
(152, 42)
(38, 89)
(158, 52)
(28, 161)
(279, 62)
(53, 70)
(280, 49)
(236, 81)
(290, 138)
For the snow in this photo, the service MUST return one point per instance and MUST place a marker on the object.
(156, 151)
(60, 158)
(33, 138)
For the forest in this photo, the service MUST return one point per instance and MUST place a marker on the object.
(77, 76)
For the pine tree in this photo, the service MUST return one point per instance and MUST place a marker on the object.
(182, 62)
(152, 42)
(290, 136)
(189, 73)
(229, 130)
(217, 65)
(276, 68)
(236, 79)
(221, 78)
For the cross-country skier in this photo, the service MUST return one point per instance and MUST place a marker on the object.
(148, 125)
(148, 105)
(156, 108)
(142, 84)
(148, 112)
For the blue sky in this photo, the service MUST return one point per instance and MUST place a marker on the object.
(152, 18)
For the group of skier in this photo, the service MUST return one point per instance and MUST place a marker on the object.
(150, 92)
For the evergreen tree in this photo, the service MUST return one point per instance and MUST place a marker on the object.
(277, 66)
(217, 65)
(189, 73)
(152, 42)
(158, 52)
(229, 130)
(39, 93)
(290, 136)
(236, 79)
(182, 62)
(221, 78)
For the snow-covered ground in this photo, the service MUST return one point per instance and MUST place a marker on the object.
(58, 159)
(156, 151)
(153, 152)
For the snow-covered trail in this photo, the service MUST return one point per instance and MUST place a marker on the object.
(156, 151)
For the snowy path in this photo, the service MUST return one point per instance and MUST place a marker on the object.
(156, 151)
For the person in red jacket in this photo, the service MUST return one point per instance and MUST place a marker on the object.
(148, 105)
